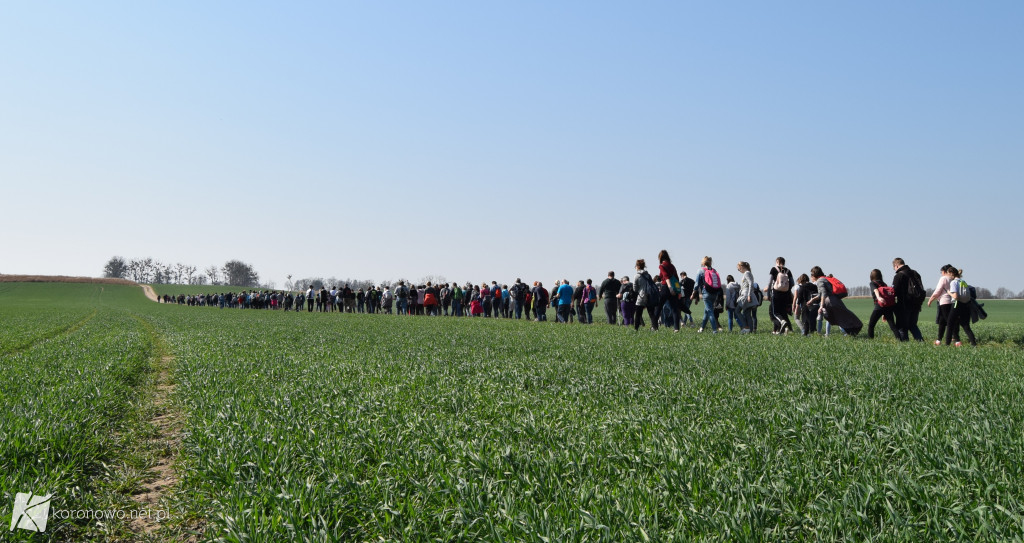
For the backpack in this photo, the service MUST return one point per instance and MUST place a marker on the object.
(915, 288)
(542, 296)
(886, 296)
(964, 291)
(756, 295)
(403, 292)
(711, 279)
(838, 288)
(588, 294)
(781, 281)
(674, 286)
(651, 290)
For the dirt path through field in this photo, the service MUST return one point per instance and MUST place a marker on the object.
(150, 293)
(164, 443)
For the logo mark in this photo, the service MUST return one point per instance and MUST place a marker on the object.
(30, 512)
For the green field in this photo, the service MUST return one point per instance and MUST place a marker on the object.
(323, 427)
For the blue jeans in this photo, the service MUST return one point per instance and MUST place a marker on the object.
(686, 306)
(517, 308)
(734, 316)
(403, 303)
(590, 312)
(668, 316)
(710, 297)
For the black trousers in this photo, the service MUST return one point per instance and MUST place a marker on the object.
(906, 321)
(878, 313)
(638, 316)
(942, 319)
(779, 310)
(960, 317)
(611, 308)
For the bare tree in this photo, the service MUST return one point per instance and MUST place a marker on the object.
(179, 273)
(213, 273)
(1004, 293)
(432, 279)
(190, 273)
(860, 291)
(139, 270)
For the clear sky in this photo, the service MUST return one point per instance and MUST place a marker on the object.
(495, 140)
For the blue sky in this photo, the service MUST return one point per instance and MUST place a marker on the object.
(539, 140)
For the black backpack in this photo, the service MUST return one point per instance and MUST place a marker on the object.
(915, 288)
(651, 289)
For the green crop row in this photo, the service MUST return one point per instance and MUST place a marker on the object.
(66, 400)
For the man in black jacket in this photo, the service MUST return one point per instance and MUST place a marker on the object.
(518, 297)
(909, 297)
(609, 290)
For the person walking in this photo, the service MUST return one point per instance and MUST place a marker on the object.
(732, 293)
(540, 302)
(564, 294)
(430, 300)
(646, 296)
(709, 285)
(687, 284)
(589, 299)
(386, 299)
(942, 294)
(627, 301)
(960, 314)
(402, 298)
(746, 302)
(910, 297)
(780, 286)
(518, 294)
(805, 293)
(834, 309)
(878, 311)
(670, 277)
(456, 300)
(609, 292)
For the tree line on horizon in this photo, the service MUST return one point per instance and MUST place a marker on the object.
(241, 274)
(149, 270)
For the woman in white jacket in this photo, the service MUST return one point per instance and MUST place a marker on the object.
(746, 304)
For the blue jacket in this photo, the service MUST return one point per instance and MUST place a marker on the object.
(565, 295)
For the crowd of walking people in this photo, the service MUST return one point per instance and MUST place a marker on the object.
(668, 298)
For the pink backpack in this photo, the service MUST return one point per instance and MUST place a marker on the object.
(711, 279)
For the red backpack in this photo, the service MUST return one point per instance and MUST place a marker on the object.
(838, 288)
(886, 296)
(711, 279)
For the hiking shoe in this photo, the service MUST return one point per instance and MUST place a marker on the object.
(958, 344)
(937, 342)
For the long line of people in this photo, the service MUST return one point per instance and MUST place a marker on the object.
(814, 299)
